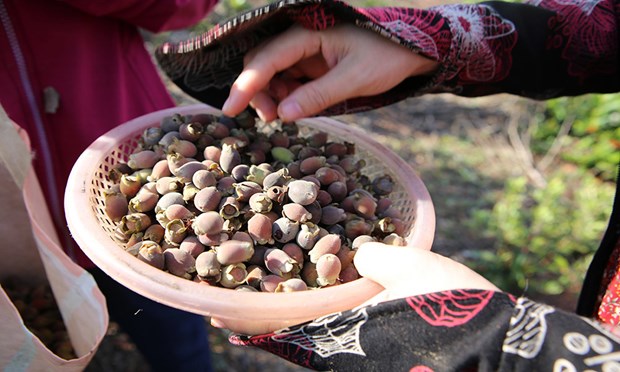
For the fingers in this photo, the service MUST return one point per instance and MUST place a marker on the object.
(265, 106)
(289, 47)
(408, 271)
(252, 327)
(317, 95)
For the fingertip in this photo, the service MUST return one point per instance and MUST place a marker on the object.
(217, 323)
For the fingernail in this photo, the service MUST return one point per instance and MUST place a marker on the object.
(290, 110)
(226, 105)
(217, 324)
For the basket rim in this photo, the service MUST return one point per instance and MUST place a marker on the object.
(201, 298)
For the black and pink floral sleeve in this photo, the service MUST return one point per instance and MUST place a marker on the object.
(544, 49)
(463, 330)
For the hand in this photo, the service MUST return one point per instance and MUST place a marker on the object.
(402, 271)
(301, 72)
(408, 271)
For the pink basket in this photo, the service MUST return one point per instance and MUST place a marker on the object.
(94, 231)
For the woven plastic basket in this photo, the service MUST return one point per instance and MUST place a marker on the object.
(94, 231)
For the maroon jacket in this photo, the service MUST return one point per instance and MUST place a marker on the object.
(91, 57)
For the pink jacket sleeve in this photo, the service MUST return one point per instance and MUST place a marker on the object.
(152, 15)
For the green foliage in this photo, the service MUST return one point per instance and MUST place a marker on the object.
(594, 139)
(545, 237)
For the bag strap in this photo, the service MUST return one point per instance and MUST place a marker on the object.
(14, 153)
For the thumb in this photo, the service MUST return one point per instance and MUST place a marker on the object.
(409, 271)
(317, 95)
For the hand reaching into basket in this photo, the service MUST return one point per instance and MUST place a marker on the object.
(301, 72)
(402, 271)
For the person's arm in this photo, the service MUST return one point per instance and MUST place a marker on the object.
(549, 50)
(544, 50)
(448, 329)
(152, 15)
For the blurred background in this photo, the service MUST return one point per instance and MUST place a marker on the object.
(522, 189)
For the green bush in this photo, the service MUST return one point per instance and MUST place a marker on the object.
(594, 137)
(545, 237)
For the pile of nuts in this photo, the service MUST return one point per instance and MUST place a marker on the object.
(40, 314)
(242, 204)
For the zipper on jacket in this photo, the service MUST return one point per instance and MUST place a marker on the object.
(50, 179)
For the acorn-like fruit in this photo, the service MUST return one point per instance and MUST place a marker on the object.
(155, 232)
(191, 131)
(278, 178)
(295, 252)
(338, 191)
(230, 208)
(178, 212)
(302, 192)
(348, 274)
(280, 263)
(260, 229)
(395, 239)
(260, 203)
(179, 263)
(208, 199)
(277, 193)
(284, 230)
(204, 178)
(331, 215)
(329, 243)
(245, 189)
(183, 147)
(383, 185)
(167, 200)
(229, 158)
(116, 204)
(208, 267)
(175, 232)
(168, 184)
(361, 239)
(192, 245)
(327, 176)
(336, 149)
(213, 153)
(364, 205)
(308, 235)
(144, 201)
(234, 251)
(151, 253)
(255, 275)
(186, 172)
(282, 154)
(233, 275)
(240, 172)
(129, 185)
(142, 159)
(135, 222)
(270, 282)
(296, 212)
(291, 285)
(151, 136)
(328, 269)
(208, 223)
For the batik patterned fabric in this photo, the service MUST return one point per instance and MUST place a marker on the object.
(447, 331)
(609, 308)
